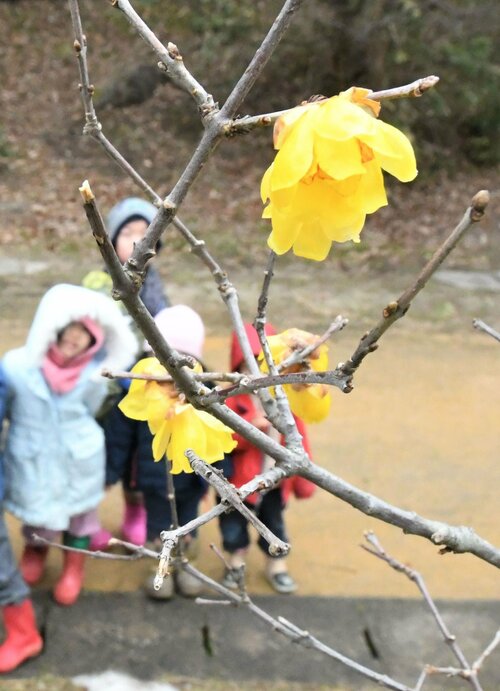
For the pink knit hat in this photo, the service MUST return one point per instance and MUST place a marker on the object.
(183, 328)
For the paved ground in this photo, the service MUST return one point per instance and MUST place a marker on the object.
(128, 633)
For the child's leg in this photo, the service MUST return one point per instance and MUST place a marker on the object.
(187, 503)
(32, 564)
(12, 586)
(270, 512)
(22, 639)
(69, 585)
(134, 521)
(235, 540)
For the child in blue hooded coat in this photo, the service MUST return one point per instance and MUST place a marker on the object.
(54, 455)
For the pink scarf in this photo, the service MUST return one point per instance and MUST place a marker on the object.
(62, 374)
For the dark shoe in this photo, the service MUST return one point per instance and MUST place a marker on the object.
(164, 592)
(282, 582)
(186, 584)
(230, 579)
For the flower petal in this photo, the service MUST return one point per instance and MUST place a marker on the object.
(311, 242)
(294, 158)
(311, 404)
(393, 151)
(340, 159)
(161, 439)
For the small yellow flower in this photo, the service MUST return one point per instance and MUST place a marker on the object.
(309, 402)
(175, 424)
(327, 174)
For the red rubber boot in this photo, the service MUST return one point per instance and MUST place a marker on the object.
(23, 640)
(69, 585)
(32, 563)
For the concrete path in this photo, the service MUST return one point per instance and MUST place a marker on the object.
(128, 633)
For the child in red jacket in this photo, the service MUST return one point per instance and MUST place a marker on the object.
(247, 461)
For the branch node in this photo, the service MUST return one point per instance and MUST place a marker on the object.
(390, 309)
(77, 46)
(173, 51)
(167, 204)
(86, 192)
(479, 203)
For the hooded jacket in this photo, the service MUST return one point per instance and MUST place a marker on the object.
(247, 459)
(54, 449)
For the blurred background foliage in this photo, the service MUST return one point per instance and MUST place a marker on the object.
(373, 43)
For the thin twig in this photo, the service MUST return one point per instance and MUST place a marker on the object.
(299, 355)
(398, 308)
(264, 293)
(233, 377)
(93, 128)
(487, 652)
(250, 122)
(417, 578)
(413, 90)
(284, 421)
(260, 58)
(171, 59)
(482, 326)
(293, 632)
(229, 495)
(137, 554)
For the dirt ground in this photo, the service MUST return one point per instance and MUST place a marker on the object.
(420, 430)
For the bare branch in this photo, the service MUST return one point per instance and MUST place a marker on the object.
(284, 420)
(229, 495)
(488, 650)
(417, 578)
(260, 59)
(233, 377)
(293, 632)
(413, 90)
(458, 539)
(139, 552)
(247, 123)
(171, 60)
(482, 326)
(299, 355)
(398, 308)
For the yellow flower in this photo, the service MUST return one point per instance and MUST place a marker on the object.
(175, 424)
(309, 402)
(327, 174)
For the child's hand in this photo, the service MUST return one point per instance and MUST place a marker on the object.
(261, 423)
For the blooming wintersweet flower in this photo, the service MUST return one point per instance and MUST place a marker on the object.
(327, 174)
(309, 402)
(175, 423)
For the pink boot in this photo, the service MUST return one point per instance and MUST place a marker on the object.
(134, 524)
(23, 640)
(99, 541)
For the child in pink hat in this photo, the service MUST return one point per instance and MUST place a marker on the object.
(183, 329)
